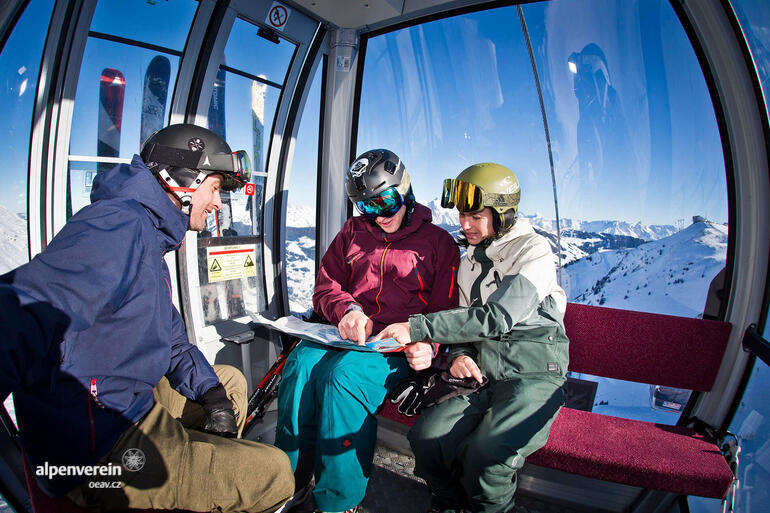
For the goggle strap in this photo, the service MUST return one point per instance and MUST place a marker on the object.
(492, 199)
(174, 157)
(178, 157)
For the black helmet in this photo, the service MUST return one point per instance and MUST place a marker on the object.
(373, 172)
(184, 155)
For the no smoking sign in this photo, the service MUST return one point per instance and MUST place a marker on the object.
(249, 189)
(278, 15)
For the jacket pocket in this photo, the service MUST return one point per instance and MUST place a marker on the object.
(537, 352)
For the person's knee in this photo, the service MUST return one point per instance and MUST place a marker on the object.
(283, 475)
(231, 378)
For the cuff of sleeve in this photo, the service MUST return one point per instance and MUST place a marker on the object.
(354, 306)
(418, 330)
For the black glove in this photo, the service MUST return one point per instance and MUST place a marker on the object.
(220, 417)
(429, 387)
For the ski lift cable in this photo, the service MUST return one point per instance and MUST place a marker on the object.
(545, 127)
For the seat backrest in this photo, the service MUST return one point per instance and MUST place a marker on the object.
(647, 348)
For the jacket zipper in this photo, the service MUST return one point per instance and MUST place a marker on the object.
(382, 279)
(419, 279)
(92, 398)
(350, 263)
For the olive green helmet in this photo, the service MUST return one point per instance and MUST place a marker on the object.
(484, 185)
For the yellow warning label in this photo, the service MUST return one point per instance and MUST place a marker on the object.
(231, 262)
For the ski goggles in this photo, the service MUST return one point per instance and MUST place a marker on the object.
(239, 163)
(463, 195)
(385, 204)
(235, 167)
(467, 197)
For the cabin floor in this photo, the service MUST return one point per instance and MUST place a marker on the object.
(393, 488)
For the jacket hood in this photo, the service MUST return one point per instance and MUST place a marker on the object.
(421, 215)
(135, 182)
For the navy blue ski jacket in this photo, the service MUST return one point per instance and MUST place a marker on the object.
(88, 326)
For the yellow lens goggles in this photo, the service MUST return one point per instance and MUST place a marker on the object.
(466, 197)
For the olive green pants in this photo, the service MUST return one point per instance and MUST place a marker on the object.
(469, 448)
(168, 464)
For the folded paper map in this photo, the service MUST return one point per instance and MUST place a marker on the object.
(325, 334)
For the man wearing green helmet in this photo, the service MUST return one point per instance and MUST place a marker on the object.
(509, 328)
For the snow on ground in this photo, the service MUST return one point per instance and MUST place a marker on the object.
(13, 240)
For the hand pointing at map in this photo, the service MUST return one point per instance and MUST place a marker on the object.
(355, 326)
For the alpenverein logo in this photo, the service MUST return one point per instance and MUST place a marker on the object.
(133, 460)
(358, 167)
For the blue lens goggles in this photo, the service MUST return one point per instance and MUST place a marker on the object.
(385, 204)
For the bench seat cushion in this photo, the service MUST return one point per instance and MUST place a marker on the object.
(631, 452)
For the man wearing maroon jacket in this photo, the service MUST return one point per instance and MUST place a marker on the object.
(383, 266)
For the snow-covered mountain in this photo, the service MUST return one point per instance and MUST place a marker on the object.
(592, 252)
(13, 240)
(669, 275)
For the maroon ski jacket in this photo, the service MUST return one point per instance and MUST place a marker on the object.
(391, 276)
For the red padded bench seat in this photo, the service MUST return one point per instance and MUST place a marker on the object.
(647, 348)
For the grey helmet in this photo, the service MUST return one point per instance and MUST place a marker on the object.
(373, 172)
(183, 155)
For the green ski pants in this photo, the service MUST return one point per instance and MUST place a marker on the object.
(327, 402)
(469, 448)
(177, 467)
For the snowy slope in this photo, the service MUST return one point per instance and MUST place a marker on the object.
(13, 240)
(300, 257)
(670, 275)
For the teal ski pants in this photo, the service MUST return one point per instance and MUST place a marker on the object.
(327, 402)
(468, 449)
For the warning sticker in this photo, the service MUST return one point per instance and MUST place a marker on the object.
(231, 262)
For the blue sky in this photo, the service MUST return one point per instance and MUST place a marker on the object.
(642, 145)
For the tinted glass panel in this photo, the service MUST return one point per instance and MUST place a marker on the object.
(159, 22)
(19, 68)
(301, 213)
(249, 52)
(638, 172)
(124, 91)
(241, 109)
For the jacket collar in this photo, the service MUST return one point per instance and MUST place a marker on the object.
(420, 216)
(135, 182)
(496, 249)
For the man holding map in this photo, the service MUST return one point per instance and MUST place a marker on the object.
(383, 266)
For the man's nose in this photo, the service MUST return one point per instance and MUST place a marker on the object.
(217, 200)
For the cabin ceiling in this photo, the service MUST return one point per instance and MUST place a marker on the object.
(356, 14)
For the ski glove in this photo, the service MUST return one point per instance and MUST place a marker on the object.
(429, 387)
(220, 417)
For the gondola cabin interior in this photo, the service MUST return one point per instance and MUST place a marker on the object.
(637, 128)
